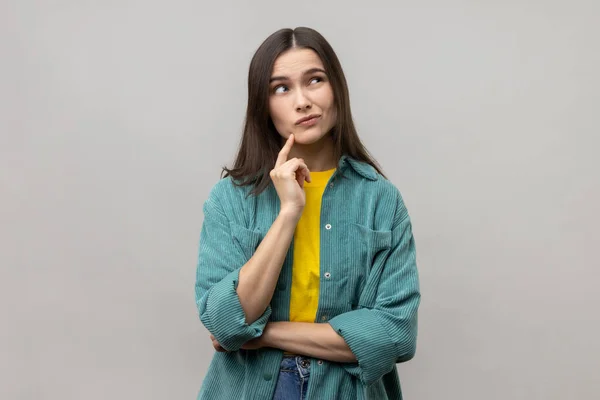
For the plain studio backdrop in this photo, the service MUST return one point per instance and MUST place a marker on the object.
(116, 116)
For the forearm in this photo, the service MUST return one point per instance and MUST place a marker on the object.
(258, 277)
(309, 339)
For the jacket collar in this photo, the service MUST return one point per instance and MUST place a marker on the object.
(362, 168)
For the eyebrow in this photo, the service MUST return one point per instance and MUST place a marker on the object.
(307, 72)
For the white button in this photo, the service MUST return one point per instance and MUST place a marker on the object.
(324, 318)
(328, 226)
(331, 184)
(320, 362)
(327, 275)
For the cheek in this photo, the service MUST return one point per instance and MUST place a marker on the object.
(326, 98)
(331, 109)
(333, 113)
(278, 116)
(276, 112)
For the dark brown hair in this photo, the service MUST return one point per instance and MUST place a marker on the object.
(260, 142)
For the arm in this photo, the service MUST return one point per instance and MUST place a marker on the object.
(232, 296)
(258, 277)
(229, 295)
(384, 333)
(314, 340)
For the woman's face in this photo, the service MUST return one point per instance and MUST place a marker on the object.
(299, 88)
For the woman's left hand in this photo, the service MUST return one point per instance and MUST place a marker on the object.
(253, 344)
(216, 344)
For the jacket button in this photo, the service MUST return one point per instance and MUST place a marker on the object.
(327, 275)
(267, 376)
(328, 226)
(320, 362)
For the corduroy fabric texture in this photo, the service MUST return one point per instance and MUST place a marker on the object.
(369, 287)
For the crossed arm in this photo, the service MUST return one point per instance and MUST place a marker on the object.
(309, 339)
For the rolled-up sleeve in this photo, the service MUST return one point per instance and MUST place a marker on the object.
(386, 333)
(217, 277)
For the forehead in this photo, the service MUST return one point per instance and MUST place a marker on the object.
(295, 61)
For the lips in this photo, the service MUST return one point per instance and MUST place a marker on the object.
(307, 118)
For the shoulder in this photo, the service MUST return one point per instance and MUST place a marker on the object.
(226, 190)
(369, 175)
(380, 185)
(390, 195)
(237, 203)
(380, 190)
(223, 197)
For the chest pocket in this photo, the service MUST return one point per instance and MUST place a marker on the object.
(367, 251)
(246, 240)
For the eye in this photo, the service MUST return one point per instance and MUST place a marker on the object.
(276, 89)
(318, 78)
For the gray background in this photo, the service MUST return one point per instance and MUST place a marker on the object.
(117, 115)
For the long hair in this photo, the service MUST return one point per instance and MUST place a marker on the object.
(260, 142)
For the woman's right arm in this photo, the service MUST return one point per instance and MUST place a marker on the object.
(259, 275)
(233, 302)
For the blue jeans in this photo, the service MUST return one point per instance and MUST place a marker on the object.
(293, 378)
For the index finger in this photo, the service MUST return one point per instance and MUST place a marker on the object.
(285, 150)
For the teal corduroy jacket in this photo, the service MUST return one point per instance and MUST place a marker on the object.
(369, 287)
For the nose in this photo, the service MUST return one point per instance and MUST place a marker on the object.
(302, 101)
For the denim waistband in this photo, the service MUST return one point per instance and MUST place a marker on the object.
(295, 363)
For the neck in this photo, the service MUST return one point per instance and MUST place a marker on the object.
(318, 156)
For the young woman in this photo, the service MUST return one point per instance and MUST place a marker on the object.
(306, 276)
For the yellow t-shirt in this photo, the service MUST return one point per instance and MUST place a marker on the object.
(304, 299)
(306, 256)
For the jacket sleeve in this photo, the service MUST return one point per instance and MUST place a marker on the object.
(217, 275)
(385, 333)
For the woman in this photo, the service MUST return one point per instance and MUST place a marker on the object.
(306, 276)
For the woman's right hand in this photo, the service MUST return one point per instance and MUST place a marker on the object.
(288, 176)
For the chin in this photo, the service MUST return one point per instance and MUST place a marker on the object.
(308, 136)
